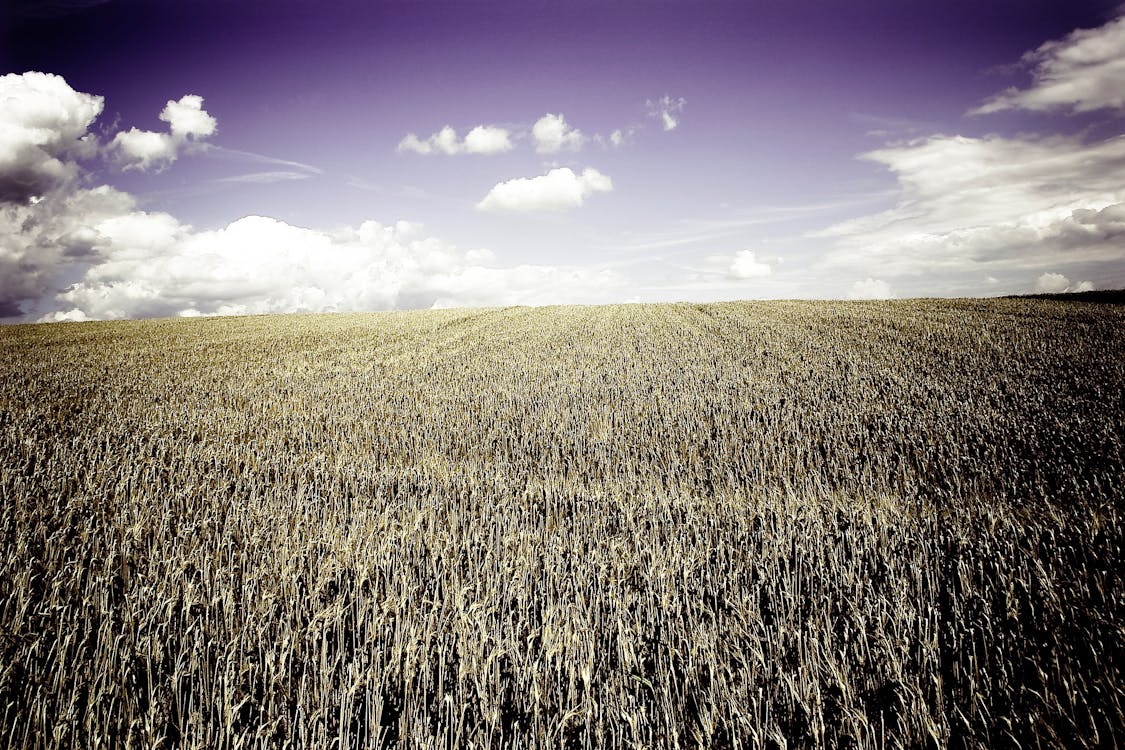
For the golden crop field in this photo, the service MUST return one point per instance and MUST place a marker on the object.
(740, 525)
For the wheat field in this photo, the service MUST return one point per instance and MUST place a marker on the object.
(740, 525)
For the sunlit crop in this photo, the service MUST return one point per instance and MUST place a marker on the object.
(870, 525)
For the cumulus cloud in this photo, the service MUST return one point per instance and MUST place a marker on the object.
(557, 190)
(187, 118)
(552, 134)
(483, 139)
(1054, 283)
(746, 265)
(43, 129)
(143, 149)
(487, 139)
(667, 110)
(44, 241)
(870, 288)
(986, 204)
(1084, 71)
(147, 149)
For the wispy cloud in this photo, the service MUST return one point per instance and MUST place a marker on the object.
(688, 232)
(883, 126)
(1084, 71)
(667, 110)
(970, 204)
(265, 177)
(223, 152)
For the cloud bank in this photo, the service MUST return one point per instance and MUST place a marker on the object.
(151, 265)
(558, 190)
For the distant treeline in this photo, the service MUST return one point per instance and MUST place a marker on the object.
(1104, 296)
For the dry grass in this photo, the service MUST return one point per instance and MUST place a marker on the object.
(870, 525)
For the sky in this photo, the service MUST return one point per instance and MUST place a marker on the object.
(180, 158)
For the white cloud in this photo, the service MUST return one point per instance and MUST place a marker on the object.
(870, 288)
(1051, 282)
(70, 316)
(1084, 71)
(411, 142)
(187, 118)
(480, 256)
(552, 134)
(1054, 283)
(146, 149)
(487, 139)
(557, 190)
(667, 110)
(483, 139)
(446, 141)
(746, 266)
(142, 149)
(984, 204)
(43, 129)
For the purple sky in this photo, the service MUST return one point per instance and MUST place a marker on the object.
(638, 150)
